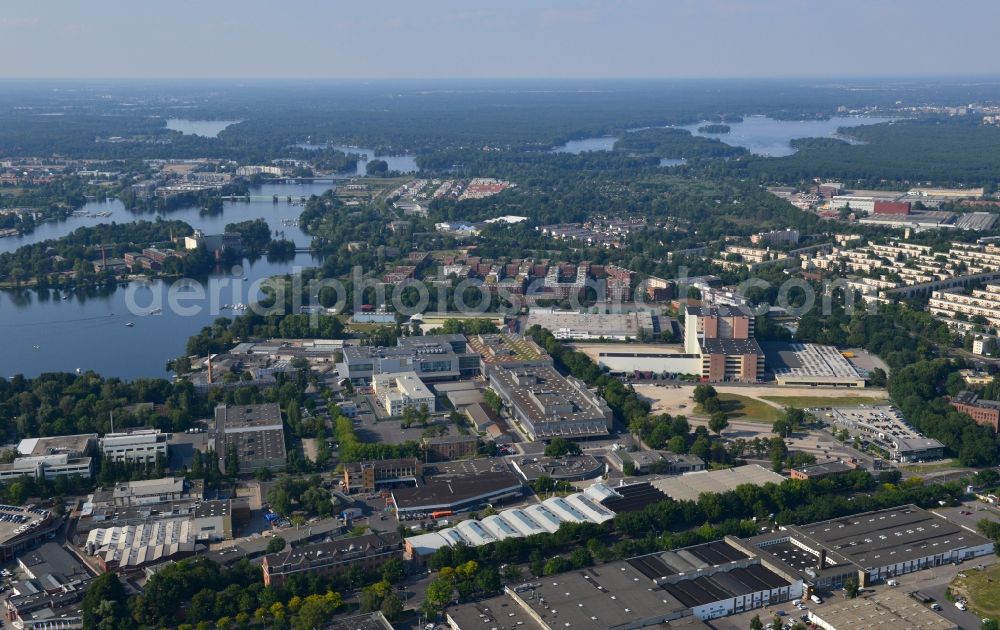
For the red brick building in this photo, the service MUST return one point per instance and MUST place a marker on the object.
(892, 207)
(984, 412)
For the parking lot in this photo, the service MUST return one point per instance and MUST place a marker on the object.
(370, 429)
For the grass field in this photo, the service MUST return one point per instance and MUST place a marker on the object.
(933, 467)
(802, 402)
(744, 408)
(982, 588)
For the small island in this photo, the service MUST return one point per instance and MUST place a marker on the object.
(714, 129)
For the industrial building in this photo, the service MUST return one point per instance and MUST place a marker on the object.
(885, 427)
(131, 547)
(51, 457)
(23, 527)
(365, 621)
(887, 608)
(733, 575)
(723, 336)
(449, 447)
(659, 361)
(547, 404)
(451, 493)
(255, 431)
(368, 476)
(140, 446)
(663, 462)
(872, 546)
(399, 391)
(545, 517)
(566, 468)
(984, 412)
(688, 487)
(49, 597)
(47, 467)
(367, 552)
(675, 589)
(430, 357)
(810, 365)
(592, 326)
(71, 445)
(821, 470)
(143, 492)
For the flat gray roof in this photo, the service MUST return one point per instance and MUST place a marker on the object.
(890, 536)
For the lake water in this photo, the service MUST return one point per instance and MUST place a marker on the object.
(88, 330)
(672, 161)
(206, 128)
(769, 137)
(602, 143)
(401, 163)
(758, 134)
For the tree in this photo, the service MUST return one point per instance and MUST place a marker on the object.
(782, 427)
(712, 405)
(851, 587)
(392, 607)
(678, 444)
(777, 451)
(377, 168)
(703, 392)
(105, 598)
(756, 623)
(393, 570)
(275, 545)
(718, 422)
(493, 400)
(558, 447)
(232, 460)
(990, 624)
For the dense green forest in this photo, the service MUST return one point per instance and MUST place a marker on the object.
(938, 151)
(677, 143)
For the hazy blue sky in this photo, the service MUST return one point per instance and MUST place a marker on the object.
(509, 38)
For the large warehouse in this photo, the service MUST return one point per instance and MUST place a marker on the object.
(872, 546)
(716, 579)
(674, 590)
(593, 326)
(547, 404)
(689, 486)
(810, 365)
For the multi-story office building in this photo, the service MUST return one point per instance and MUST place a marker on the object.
(255, 431)
(431, 357)
(367, 476)
(449, 447)
(724, 338)
(984, 412)
(367, 553)
(138, 446)
(547, 404)
(47, 467)
(399, 391)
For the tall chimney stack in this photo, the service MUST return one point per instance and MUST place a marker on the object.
(821, 564)
(209, 368)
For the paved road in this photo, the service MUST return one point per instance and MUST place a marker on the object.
(935, 581)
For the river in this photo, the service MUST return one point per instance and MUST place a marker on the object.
(400, 163)
(44, 333)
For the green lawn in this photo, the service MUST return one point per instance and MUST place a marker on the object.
(932, 467)
(982, 588)
(744, 408)
(803, 402)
